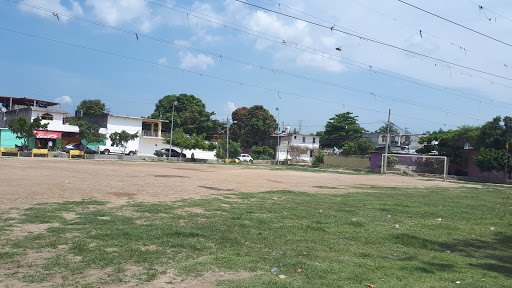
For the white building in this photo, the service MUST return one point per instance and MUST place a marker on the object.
(296, 147)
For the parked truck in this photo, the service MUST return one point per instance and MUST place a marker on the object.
(121, 149)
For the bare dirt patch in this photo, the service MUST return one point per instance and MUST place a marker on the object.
(39, 180)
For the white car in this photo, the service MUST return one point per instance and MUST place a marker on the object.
(245, 158)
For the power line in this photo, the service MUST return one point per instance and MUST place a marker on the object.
(455, 23)
(485, 8)
(210, 76)
(378, 42)
(307, 78)
(234, 59)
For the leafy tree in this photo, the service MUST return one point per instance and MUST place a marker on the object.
(262, 153)
(87, 132)
(234, 149)
(183, 141)
(92, 107)
(189, 114)
(451, 143)
(341, 129)
(384, 129)
(252, 125)
(24, 130)
(361, 146)
(489, 160)
(123, 137)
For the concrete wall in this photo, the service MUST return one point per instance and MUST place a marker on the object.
(8, 139)
(353, 162)
(57, 123)
(148, 145)
(130, 125)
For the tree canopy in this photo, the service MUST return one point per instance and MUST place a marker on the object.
(87, 132)
(92, 107)
(189, 114)
(24, 129)
(252, 125)
(123, 137)
(384, 129)
(341, 129)
(360, 146)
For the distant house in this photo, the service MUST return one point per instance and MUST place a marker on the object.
(15, 107)
(148, 140)
(295, 146)
(398, 142)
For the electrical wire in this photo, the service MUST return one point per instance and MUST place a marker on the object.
(357, 90)
(455, 23)
(485, 8)
(229, 58)
(378, 42)
(212, 76)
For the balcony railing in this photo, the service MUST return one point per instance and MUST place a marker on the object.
(154, 134)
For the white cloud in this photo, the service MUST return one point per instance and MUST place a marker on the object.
(230, 106)
(162, 61)
(54, 5)
(199, 61)
(319, 62)
(63, 100)
(127, 11)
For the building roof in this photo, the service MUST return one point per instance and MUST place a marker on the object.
(24, 101)
(141, 118)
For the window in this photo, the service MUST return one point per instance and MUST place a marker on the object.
(294, 137)
(314, 140)
(303, 139)
(47, 116)
(384, 138)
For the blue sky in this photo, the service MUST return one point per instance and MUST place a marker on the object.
(232, 55)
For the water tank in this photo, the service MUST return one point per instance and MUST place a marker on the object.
(287, 129)
(78, 113)
(43, 104)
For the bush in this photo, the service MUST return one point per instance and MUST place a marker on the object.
(159, 153)
(318, 159)
(262, 153)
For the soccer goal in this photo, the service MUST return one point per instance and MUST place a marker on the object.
(415, 164)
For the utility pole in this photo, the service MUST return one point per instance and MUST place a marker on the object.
(172, 126)
(278, 132)
(300, 126)
(227, 141)
(385, 159)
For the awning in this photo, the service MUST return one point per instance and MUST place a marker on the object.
(47, 134)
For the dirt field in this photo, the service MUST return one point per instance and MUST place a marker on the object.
(27, 181)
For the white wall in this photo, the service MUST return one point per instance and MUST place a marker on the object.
(148, 145)
(57, 123)
(130, 125)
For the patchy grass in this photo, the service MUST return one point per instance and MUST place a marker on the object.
(337, 240)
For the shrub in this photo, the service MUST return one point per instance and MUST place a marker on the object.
(318, 159)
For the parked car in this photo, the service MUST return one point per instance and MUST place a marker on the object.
(121, 149)
(76, 146)
(245, 158)
(174, 153)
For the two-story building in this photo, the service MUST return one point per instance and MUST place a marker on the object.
(295, 146)
(15, 107)
(398, 142)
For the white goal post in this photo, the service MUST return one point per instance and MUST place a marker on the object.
(417, 164)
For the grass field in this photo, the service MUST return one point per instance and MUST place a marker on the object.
(444, 235)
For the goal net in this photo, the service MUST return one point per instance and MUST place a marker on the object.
(415, 164)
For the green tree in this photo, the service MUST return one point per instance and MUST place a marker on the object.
(489, 160)
(361, 146)
(189, 114)
(24, 130)
(183, 141)
(341, 129)
(262, 153)
(123, 137)
(252, 125)
(87, 132)
(235, 149)
(384, 129)
(451, 143)
(92, 107)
